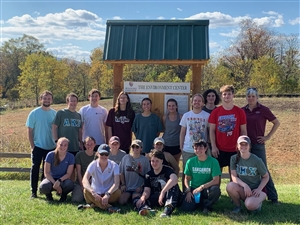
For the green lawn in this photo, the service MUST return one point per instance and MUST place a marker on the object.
(18, 208)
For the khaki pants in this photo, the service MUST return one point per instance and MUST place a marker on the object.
(90, 199)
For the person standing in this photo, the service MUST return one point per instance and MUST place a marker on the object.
(194, 125)
(257, 115)
(201, 176)
(146, 126)
(211, 100)
(93, 118)
(39, 124)
(119, 121)
(249, 177)
(68, 123)
(171, 134)
(226, 124)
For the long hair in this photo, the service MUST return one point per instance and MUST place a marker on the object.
(56, 155)
(238, 154)
(173, 100)
(128, 106)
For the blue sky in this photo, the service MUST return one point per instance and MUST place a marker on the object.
(73, 29)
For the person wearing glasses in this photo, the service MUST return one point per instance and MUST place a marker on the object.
(104, 188)
(249, 177)
(257, 116)
(133, 169)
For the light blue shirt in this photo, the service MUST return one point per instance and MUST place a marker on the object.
(41, 123)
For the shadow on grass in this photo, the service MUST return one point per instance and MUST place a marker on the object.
(270, 214)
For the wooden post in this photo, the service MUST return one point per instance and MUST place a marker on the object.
(118, 78)
(196, 79)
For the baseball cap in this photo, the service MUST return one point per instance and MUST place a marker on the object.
(104, 148)
(158, 139)
(114, 139)
(137, 142)
(243, 138)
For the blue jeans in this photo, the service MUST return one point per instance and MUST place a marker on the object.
(38, 156)
(260, 151)
(209, 196)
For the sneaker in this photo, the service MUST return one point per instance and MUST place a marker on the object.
(49, 197)
(114, 210)
(167, 211)
(237, 210)
(63, 197)
(33, 195)
(82, 206)
(147, 212)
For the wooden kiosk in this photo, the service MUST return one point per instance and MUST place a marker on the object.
(173, 42)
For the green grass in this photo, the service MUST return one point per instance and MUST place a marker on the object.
(18, 208)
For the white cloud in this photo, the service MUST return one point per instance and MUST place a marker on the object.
(218, 19)
(70, 51)
(160, 18)
(179, 9)
(68, 25)
(230, 34)
(36, 13)
(295, 21)
(214, 44)
(117, 18)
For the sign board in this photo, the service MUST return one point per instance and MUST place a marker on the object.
(156, 87)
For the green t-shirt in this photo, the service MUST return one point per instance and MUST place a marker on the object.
(68, 125)
(83, 160)
(249, 170)
(201, 172)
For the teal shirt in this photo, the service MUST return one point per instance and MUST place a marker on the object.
(201, 172)
(41, 123)
(68, 124)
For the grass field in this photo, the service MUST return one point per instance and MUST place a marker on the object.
(283, 162)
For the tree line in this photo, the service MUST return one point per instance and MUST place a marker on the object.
(257, 57)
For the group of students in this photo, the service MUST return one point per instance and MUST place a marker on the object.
(146, 170)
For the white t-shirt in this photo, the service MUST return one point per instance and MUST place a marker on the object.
(94, 122)
(196, 128)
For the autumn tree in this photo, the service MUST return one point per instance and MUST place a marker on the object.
(13, 52)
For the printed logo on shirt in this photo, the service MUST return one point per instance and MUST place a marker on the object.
(71, 122)
(196, 129)
(122, 119)
(246, 171)
(135, 167)
(201, 170)
(226, 124)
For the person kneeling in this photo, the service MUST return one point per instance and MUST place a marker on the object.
(160, 189)
(249, 177)
(104, 188)
(202, 174)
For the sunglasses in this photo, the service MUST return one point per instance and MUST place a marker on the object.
(135, 146)
(104, 154)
